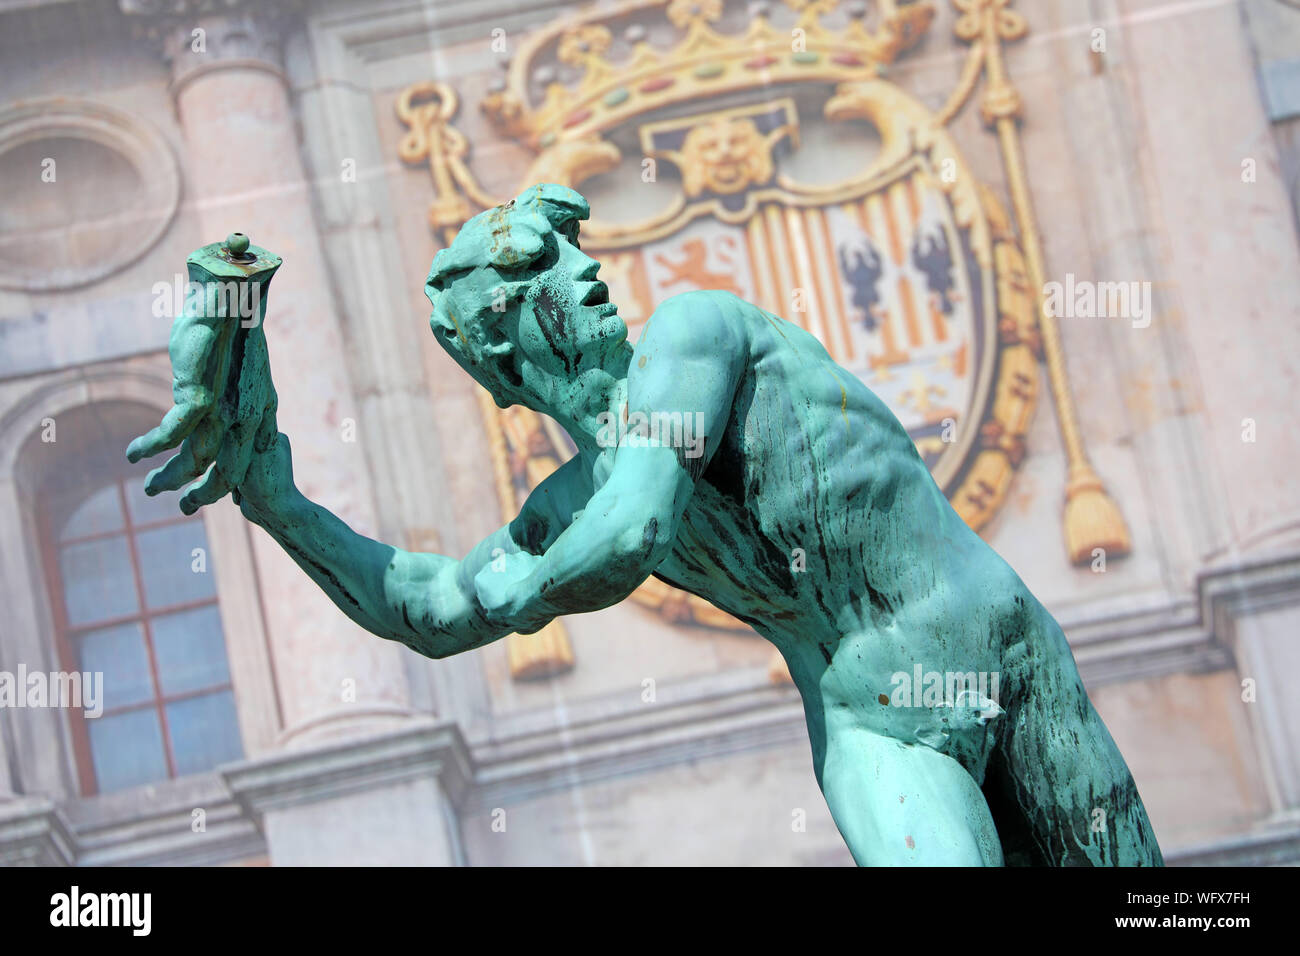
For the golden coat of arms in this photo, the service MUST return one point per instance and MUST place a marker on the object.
(909, 270)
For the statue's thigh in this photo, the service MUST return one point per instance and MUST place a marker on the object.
(906, 805)
(1066, 781)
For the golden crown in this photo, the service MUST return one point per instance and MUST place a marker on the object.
(605, 93)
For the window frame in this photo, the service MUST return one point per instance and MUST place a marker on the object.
(66, 634)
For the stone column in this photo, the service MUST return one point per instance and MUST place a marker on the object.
(245, 174)
(356, 778)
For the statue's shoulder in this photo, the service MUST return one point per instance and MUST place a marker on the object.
(692, 329)
(702, 301)
(702, 314)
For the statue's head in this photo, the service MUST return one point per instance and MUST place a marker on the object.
(517, 304)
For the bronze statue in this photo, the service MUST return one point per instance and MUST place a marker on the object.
(797, 502)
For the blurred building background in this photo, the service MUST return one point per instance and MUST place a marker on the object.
(905, 179)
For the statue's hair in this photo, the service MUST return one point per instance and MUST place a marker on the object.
(508, 239)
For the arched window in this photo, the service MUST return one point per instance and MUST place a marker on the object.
(134, 598)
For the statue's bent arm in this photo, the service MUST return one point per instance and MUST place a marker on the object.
(546, 562)
(685, 367)
(425, 601)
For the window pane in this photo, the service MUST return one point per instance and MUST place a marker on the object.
(146, 510)
(204, 732)
(190, 650)
(127, 749)
(119, 654)
(97, 580)
(102, 511)
(166, 562)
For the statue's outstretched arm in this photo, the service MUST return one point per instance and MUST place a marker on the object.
(223, 427)
(425, 601)
(681, 385)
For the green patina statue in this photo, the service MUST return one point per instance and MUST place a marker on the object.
(796, 502)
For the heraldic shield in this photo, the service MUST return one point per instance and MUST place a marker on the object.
(710, 130)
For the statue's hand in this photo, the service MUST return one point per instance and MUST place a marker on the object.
(504, 592)
(225, 406)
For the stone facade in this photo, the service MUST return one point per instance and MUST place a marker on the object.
(1169, 156)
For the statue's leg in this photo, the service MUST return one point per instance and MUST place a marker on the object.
(1058, 786)
(904, 804)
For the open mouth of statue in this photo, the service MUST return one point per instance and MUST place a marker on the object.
(597, 294)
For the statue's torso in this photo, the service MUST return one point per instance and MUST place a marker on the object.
(817, 523)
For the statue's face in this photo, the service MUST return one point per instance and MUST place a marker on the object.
(563, 327)
(566, 321)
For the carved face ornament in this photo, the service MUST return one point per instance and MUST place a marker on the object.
(725, 156)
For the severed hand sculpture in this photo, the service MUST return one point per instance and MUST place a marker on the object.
(797, 457)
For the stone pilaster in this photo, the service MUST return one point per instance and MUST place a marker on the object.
(356, 778)
(245, 174)
(1251, 606)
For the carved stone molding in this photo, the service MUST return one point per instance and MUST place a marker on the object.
(33, 832)
(294, 777)
(134, 226)
(198, 36)
(1273, 844)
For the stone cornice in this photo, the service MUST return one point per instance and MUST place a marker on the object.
(527, 755)
(14, 6)
(1275, 843)
(1247, 586)
(183, 8)
(33, 832)
(169, 840)
(292, 777)
(125, 830)
(1143, 641)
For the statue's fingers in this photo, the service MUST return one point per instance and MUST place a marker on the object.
(180, 470)
(176, 425)
(212, 487)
